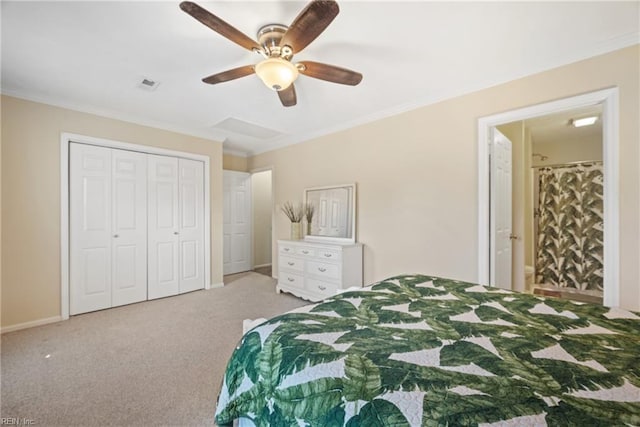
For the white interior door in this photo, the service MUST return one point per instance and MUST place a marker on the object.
(108, 227)
(237, 222)
(191, 233)
(90, 228)
(500, 214)
(129, 227)
(164, 227)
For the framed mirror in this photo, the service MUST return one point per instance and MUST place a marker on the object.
(334, 213)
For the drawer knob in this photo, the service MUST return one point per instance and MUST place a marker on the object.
(286, 249)
(291, 279)
(305, 252)
(291, 263)
(328, 255)
(322, 269)
(322, 288)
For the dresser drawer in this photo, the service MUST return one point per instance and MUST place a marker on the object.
(320, 287)
(287, 249)
(290, 263)
(324, 269)
(306, 251)
(328, 254)
(291, 279)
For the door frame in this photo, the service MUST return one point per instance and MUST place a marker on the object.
(610, 146)
(273, 225)
(67, 138)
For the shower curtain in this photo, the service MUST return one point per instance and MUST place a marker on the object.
(570, 227)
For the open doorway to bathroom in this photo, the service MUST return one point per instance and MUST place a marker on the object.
(559, 198)
(607, 101)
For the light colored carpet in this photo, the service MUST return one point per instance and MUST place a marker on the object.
(263, 270)
(154, 363)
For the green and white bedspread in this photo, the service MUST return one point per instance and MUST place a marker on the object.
(421, 350)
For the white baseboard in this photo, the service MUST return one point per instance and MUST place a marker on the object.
(31, 324)
(262, 265)
(216, 285)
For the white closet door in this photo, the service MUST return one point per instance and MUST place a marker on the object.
(191, 196)
(163, 229)
(129, 229)
(90, 228)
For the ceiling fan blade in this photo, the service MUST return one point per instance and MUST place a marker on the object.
(288, 96)
(225, 76)
(309, 24)
(330, 73)
(219, 26)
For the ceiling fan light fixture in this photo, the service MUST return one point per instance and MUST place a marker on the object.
(276, 73)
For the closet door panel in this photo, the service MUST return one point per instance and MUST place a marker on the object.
(191, 199)
(129, 249)
(163, 226)
(89, 228)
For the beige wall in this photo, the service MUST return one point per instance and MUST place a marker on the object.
(262, 214)
(417, 172)
(234, 163)
(568, 151)
(31, 188)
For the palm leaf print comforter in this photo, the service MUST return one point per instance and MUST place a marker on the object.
(420, 350)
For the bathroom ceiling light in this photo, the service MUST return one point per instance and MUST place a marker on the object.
(585, 121)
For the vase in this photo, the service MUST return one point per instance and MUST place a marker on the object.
(296, 231)
(308, 229)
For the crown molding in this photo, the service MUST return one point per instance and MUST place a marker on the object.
(109, 114)
(604, 48)
(236, 153)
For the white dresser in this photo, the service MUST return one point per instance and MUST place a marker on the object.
(314, 271)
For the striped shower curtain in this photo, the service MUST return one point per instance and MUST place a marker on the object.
(570, 227)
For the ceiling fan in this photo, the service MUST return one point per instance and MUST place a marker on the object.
(277, 44)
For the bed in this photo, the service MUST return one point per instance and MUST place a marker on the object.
(421, 350)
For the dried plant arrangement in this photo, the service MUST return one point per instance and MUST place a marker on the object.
(309, 210)
(294, 213)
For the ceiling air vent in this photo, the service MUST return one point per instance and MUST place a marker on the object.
(148, 84)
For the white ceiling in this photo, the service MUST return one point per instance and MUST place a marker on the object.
(91, 56)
